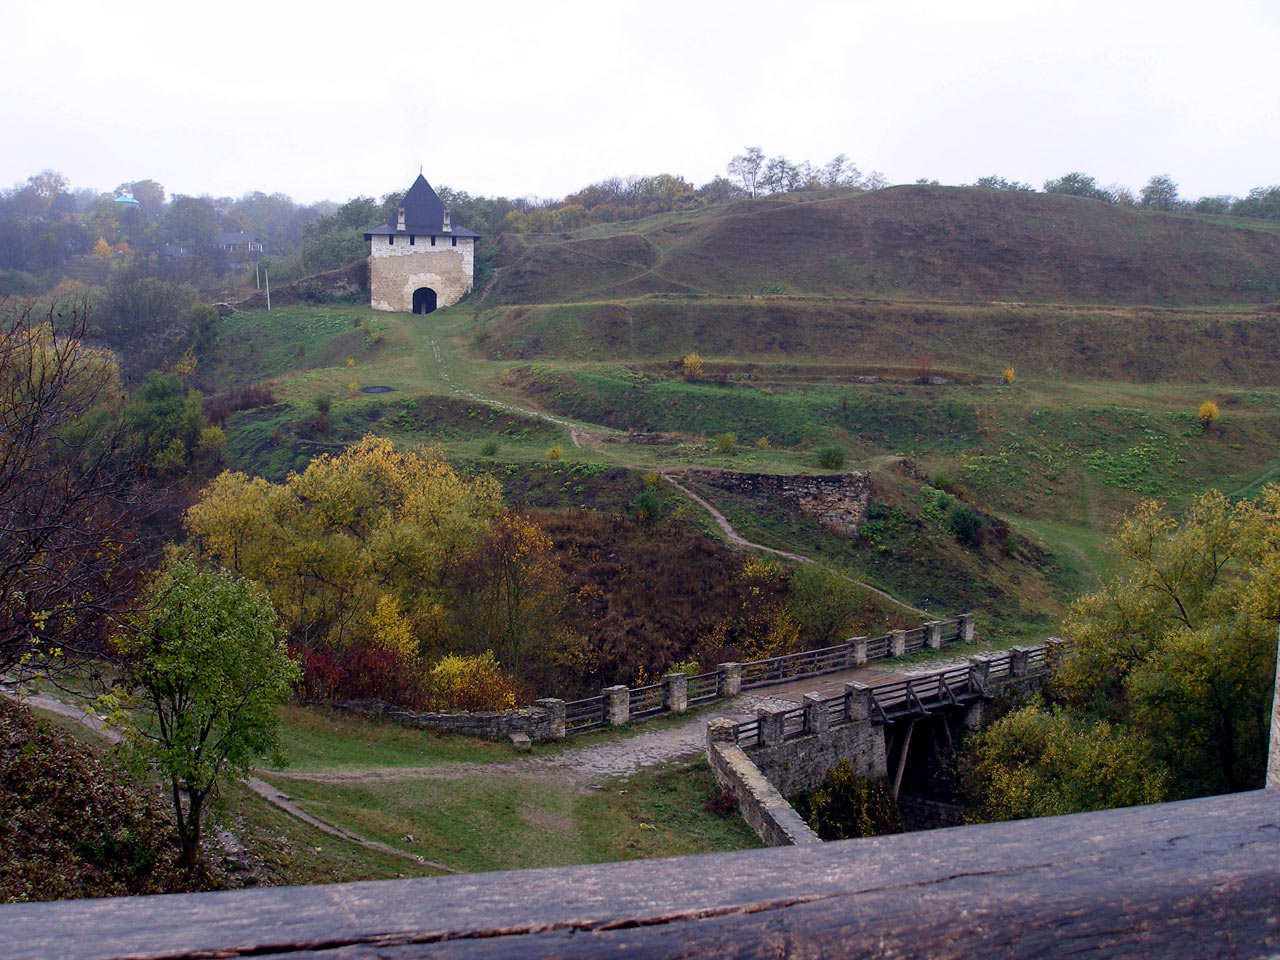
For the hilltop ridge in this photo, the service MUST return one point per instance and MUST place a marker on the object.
(952, 243)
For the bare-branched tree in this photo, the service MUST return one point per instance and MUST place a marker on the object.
(69, 555)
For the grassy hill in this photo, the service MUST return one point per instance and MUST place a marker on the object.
(952, 243)
(877, 322)
(881, 324)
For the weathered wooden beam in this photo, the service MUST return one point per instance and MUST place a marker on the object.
(902, 756)
(1192, 879)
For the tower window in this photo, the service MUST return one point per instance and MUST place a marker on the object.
(455, 240)
(433, 240)
(391, 241)
(411, 239)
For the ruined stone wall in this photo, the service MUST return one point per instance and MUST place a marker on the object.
(839, 502)
(312, 289)
(536, 722)
(397, 269)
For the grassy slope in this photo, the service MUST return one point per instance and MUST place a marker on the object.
(505, 822)
(592, 328)
(949, 243)
(1102, 412)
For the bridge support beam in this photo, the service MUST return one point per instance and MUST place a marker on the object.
(860, 651)
(902, 756)
(897, 643)
(1273, 757)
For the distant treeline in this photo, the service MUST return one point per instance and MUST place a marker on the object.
(49, 232)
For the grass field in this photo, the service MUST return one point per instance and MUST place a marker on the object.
(505, 822)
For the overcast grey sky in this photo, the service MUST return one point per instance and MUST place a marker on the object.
(332, 100)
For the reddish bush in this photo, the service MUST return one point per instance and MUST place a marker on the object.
(363, 671)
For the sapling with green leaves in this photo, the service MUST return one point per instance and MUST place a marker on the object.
(205, 667)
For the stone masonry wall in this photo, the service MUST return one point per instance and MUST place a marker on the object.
(397, 269)
(766, 811)
(795, 766)
(534, 721)
(839, 502)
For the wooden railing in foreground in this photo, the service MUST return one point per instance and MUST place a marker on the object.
(1197, 878)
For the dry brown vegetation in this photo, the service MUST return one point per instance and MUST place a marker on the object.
(70, 826)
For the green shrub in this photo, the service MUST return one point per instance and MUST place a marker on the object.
(849, 805)
(690, 668)
(831, 457)
(646, 505)
(726, 442)
(489, 448)
(965, 522)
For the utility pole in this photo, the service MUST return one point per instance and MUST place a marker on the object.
(266, 273)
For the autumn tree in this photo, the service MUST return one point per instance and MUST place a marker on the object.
(1032, 763)
(746, 168)
(1173, 657)
(1208, 414)
(1160, 193)
(515, 594)
(823, 605)
(1078, 184)
(204, 670)
(329, 544)
(68, 548)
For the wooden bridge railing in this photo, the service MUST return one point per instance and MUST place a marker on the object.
(728, 679)
(910, 696)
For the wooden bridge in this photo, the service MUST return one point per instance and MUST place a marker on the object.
(618, 705)
(906, 698)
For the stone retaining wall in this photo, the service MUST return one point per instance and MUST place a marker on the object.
(839, 502)
(537, 722)
(795, 766)
(767, 812)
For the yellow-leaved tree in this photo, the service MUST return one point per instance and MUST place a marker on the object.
(356, 547)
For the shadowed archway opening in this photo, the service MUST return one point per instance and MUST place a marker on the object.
(424, 300)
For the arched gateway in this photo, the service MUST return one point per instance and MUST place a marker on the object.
(424, 300)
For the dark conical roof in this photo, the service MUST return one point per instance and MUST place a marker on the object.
(423, 215)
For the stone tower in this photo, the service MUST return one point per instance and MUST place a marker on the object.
(419, 260)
